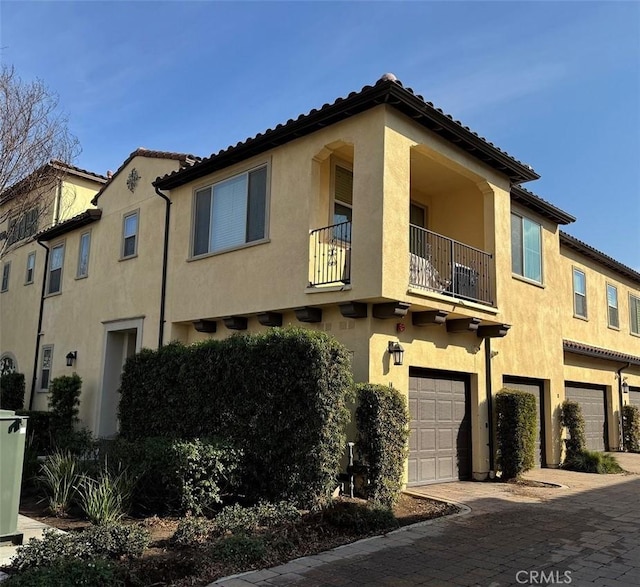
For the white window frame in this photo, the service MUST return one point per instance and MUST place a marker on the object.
(79, 274)
(337, 162)
(636, 299)
(50, 270)
(266, 165)
(49, 369)
(616, 307)
(6, 275)
(577, 293)
(524, 275)
(135, 235)
(31, 258)
(7, 359)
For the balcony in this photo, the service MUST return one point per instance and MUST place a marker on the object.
(448, 267)
(331, 252)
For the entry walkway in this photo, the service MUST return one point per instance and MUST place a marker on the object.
(586, 531)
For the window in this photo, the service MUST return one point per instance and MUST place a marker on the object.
(130, 235)
(612, 305)
(579, 293)
(23, 226)
(6, 270)
(83, 255)
(634, 311)
(45, 371)
(8, 364)
(526, 248)
(231, 213)
(31, 267)
(55, 269)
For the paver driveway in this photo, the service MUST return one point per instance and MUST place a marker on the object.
(587, 533)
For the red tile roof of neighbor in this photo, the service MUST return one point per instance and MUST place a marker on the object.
(387, 90)
(588, 251)
(579, 348)
(82, 219)
(185, 158)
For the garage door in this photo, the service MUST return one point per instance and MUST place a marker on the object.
(535, 388)
(440, 429)
(634, 396)
(592, 402)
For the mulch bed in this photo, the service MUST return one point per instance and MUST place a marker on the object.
(166, 564)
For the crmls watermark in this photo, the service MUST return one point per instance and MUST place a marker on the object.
(543, 577)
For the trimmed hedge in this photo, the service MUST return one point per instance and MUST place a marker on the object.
(572, 419)
(64, 399)
(12, 391)
(279, 397)
(39, 426)
(631, 424)
(383, 429)
(176, 476)
(516, 417)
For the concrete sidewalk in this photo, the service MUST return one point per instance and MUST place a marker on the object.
(30, 528)
(587, 531)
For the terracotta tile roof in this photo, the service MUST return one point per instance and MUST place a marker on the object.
(588, 251)
(387, 90)
(78, 171)
(46, 173)
(542, 207)
(87, 217)
(186, 160)
(579, 348)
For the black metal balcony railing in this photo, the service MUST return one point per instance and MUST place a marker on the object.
(443, 265)
(331, 248)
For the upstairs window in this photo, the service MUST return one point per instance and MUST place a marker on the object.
(129, 236)
(612, 306)
(6, 270)
(55, 269)
(526, 248)
(579, 293)
(23, 226)
(31, 268)
(83, 255)
(634, 311)
(231, 213)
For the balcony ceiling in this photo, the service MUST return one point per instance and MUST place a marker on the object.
(432, 177)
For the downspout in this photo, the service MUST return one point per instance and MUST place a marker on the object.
(165, 254)
(40, 314)
(489, 388)
(620, 398)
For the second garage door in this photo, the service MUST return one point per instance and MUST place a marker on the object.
(634, 396)
(440, 429)
(535, 388)
(592, 402)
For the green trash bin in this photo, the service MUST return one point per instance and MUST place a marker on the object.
(13, 432)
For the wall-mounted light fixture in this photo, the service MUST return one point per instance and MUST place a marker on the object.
(71, 358)
(625, 387)
(396, 351)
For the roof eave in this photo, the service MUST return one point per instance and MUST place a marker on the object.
(543, 208)
(388, 92)
(82, 219)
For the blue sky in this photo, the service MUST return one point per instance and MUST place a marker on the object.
(555, 84)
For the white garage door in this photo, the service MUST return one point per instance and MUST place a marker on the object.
(535, 388)
(440, 429)
(592, 402)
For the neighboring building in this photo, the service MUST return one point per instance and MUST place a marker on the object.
(63, 191)
(382, 221)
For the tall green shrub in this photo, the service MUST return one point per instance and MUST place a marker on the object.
(12, 391)
(631, 425)
(516, 431)
(177, 476)
(279, 397)
(64, 400)
(571, 418)
(383, 429)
